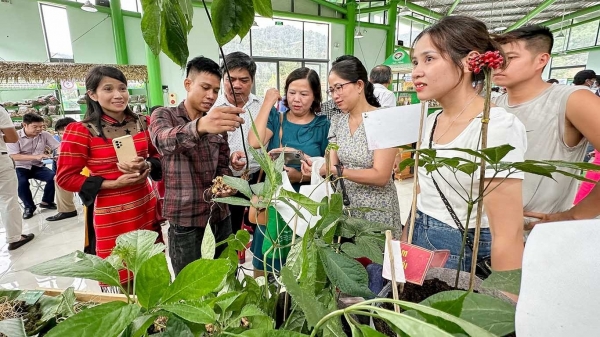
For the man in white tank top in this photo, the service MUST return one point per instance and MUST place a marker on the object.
(559, 120)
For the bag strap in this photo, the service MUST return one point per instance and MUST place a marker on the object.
(453, 215)
(280, 129)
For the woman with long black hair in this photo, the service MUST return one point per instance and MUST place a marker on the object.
(122, 197)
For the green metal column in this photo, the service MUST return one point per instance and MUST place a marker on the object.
(350, 26)
(390, 40)
(154, 79)
(119, 32)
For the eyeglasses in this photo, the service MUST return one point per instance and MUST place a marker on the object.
(338, 88)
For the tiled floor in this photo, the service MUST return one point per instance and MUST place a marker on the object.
(54, 239)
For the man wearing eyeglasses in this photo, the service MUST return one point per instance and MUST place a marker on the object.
(34, 145)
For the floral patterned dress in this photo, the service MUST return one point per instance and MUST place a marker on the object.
(354, 154)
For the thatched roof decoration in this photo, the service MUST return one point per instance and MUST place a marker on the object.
(42, 72)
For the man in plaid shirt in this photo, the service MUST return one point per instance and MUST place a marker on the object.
(195, 151)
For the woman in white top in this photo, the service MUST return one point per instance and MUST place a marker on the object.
(440, 60)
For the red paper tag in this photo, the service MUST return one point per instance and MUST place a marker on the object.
(417, 261)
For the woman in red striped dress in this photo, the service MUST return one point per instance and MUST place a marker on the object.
(122, 196)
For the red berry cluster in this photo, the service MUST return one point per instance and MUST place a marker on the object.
(489, 60)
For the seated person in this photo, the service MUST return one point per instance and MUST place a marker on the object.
(28, 154)
(64, 199)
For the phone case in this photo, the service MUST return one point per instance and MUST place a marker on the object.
(125, 149)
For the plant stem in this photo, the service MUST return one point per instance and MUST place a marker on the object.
(463, 245)
(413, 209)
(484, 131)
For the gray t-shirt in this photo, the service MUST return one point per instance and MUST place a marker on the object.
(544, 120)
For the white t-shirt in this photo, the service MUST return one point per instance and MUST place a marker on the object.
(385, 97)
(5, 123)
(504, 128)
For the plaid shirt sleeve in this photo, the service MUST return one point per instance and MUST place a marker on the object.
(223, 168)
(168, 136)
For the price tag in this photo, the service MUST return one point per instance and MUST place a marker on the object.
(416, 262)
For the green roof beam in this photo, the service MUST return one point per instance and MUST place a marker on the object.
(452, 8)
(417, 20)
(308, 17)
(350, 26)
(541, 7)
(375, 9)
(331, 5)
(421, 10)
(372, 25)
(577, 51)
(575, 24)
(390, 39)
(573, 15)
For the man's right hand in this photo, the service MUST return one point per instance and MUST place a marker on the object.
(42, 156)
(220, 119)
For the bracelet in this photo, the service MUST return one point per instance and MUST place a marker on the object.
(301, 178)
(148, 165)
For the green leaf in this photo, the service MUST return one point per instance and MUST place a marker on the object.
(188, 12)
(176, 328)
(302, 200)
(509, 281)
(138, 247)
(233, 201)
(173, 33)
(231, 301)
(367, 331)
(251, 310)
(410, 325)
(257, 188)
(582, 166)
(271, 333)
(489, 313)
(231, 18)
(372, 247)
(13, 327)
(345, 273)
(496, 154)
(152, 281)
(67, 302)
(79, 265)
(197, 279)
(208, 244)
(151, 24)
(108, 319)
(408, 162)
(296, 320)
(239, 184)
(263, 8)
(10, 294)
(453, 306)
(533, 168)
(196, 312)
(468, 168)
(312, 308)
(140, 325)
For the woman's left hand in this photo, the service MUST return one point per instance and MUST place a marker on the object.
(137, 165)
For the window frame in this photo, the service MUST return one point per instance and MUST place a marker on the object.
(48, 52)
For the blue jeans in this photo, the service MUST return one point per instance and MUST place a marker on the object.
(185, 243)
(432, 234)
(38, 173)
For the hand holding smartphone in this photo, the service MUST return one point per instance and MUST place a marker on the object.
(125, 149)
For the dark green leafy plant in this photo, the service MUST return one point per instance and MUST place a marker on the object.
(167, 23)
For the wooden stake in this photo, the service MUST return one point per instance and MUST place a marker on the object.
(388, 241)
(413, 209)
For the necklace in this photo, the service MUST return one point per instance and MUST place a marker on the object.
(455, 118)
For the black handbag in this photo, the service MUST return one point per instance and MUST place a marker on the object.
(483, 267)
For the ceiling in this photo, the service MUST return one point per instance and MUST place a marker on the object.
(506, 12)
(497, 13)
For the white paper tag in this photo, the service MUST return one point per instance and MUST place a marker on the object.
(399, 267)
(392, 127)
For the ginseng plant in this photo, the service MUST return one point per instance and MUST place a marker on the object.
(485, 158)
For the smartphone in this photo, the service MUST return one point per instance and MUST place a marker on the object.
(125, 149)
(289, 158)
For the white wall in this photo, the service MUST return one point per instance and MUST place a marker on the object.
(371, 48)
(21, 34)
(337, 35)
(594, 61)
(92, 36)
